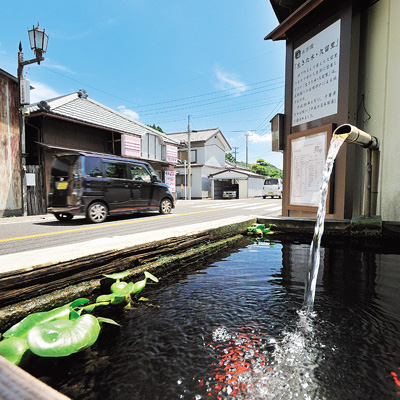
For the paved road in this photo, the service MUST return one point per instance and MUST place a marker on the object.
(38, 232)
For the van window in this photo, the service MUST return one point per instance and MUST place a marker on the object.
(93, 167)
(271, 181)
(153, 173)
(115, 170)
(62, 166)
(139, 173)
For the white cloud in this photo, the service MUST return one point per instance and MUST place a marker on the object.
(42, 92)
(130, 113)
(256, 138)
(228, 81)
(58, 67)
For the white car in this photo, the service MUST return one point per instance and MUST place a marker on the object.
(229, 194)
(272, 187)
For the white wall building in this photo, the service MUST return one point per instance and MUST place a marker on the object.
(207, 157)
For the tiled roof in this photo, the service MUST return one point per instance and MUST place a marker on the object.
(80, 108)
(240, 171)
(9, 76)
(199, 136)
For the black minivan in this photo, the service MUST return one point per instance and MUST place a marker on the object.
(98, 185)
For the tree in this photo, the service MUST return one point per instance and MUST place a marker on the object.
(157, 128)
(229, 157)
(264, 168)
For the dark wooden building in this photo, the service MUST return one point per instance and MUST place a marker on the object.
(10, 171)
(77, 122)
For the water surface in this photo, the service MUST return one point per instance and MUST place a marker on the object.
(233, 330)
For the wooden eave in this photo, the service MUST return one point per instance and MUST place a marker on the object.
(279, 33)
(79, 122)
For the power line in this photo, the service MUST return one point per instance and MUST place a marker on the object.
(87, 86)
(210, 101)
(183, 108)
(215, 92)
(179, 119)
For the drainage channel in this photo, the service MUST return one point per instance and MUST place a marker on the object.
(41, 280)
(38, 283)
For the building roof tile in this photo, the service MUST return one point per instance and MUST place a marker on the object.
(80, 108)
(200, 136)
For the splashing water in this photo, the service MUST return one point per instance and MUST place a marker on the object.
(248, 369)
(314, 257)
(254, 367)
(291, 372)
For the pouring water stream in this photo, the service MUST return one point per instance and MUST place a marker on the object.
(314, 256)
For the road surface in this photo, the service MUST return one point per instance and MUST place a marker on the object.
(20, 234)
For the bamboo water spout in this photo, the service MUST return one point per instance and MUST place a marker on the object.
(352, 134)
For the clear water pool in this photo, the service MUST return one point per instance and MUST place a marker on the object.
(233, 330)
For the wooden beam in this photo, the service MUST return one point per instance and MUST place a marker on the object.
(279, 33)
(15, 383)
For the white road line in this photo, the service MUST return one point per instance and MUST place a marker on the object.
(216, 206)
(244, 206)
(219, 205)
(272, 212)
(266, 206)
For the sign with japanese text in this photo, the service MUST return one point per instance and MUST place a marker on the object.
(316, 76)
(170, 179)
(172, 154)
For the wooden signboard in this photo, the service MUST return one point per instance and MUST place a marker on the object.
(307, 155)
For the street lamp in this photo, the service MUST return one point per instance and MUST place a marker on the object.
(38, 41)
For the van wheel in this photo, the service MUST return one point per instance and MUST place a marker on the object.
(63, 216)
(97, 212)
(264, 197)
(165, 206)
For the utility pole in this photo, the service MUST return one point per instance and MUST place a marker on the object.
(189, 180)
(235, 149)
(247, 148)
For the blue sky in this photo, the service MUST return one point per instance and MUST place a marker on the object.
(160, 61)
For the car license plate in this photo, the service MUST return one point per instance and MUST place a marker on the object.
(62, 185)
(270, 194)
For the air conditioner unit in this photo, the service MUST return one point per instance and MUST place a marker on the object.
(25, 92)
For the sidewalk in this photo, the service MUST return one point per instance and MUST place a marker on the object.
(19, 219)
(29, 260)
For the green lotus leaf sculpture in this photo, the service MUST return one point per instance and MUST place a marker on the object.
(22, 328)
(139, 286)
(117, 297)
(60, 338)
(13, 349)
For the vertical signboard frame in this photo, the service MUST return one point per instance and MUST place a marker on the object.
(307, 152)
(312, 29)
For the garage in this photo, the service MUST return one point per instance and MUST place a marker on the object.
(244, 182)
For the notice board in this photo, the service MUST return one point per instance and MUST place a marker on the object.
(316, 76)
(308, 150)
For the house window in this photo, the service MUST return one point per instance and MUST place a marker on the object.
(180, 180)
(193, 157)
(145, 146)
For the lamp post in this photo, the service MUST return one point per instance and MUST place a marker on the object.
(38, 41)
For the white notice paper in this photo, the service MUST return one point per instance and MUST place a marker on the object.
(316, 76)
(308, 162)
